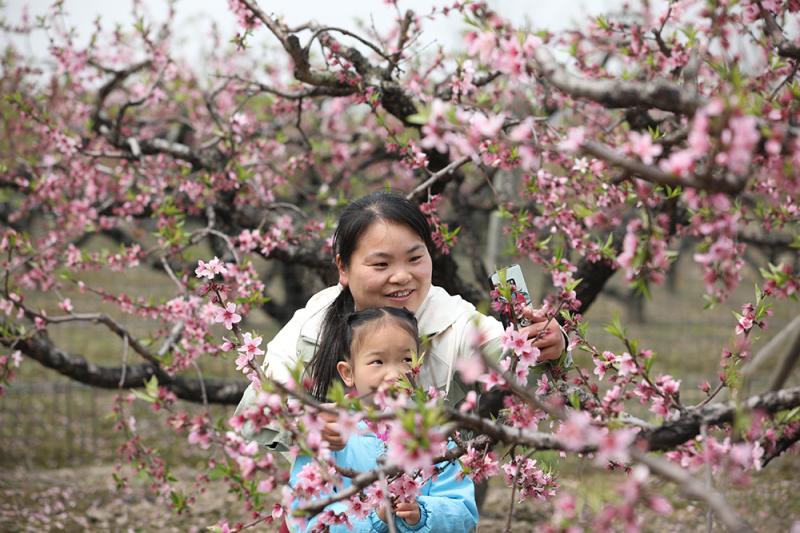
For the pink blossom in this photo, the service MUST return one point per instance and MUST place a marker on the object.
(248, 351)
(613, 445)
(412, 451)
(479, 465)
(517, 341)
(679, 162)
(577, 431)
(741, 138)
(227, 345)
(641, 145)
(210, 269)
(66, 305)
(543, 385)
(575, 138)
(227, 315)
(668, 384)
(627, 365)
(265, 486)
(470, 368)
(483, 126)
(660, 505)
(483, 44)
(469, 403)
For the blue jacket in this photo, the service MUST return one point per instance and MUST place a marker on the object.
(446, 505)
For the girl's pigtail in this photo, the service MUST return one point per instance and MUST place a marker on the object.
(332, 345)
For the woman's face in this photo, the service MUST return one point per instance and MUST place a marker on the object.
(390, 267)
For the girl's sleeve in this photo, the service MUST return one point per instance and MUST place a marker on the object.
(449, 506)
(365, 525)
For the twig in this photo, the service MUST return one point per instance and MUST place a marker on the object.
(709, 475)
(124, 360)
(785, 47)
(710, 396)
(726, 514)
(655, 175)
(785, 368)
(348, 33)
(419, 191)
(387, 503)
(202, 384)
(792, 328)
(513, 492)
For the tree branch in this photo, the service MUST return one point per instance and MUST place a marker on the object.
(420, 191)
(694, 488)
(785, 47)
(658, 93)
(655, 175)
(76, 367)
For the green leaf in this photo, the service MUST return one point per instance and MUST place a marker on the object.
(142, 396)
(574, 400)
(417, 118)
(615, 328)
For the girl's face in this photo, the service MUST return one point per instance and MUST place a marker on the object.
(380, 354)
(389, 267)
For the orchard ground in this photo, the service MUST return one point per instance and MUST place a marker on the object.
(57, 450)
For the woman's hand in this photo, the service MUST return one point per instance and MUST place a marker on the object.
(408, 511)
(551, 343)
(330, 432)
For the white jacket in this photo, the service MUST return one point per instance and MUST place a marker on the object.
(450, 324)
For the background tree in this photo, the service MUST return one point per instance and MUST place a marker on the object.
(643, 128)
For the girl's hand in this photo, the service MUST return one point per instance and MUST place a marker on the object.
(551, 344)
(408, 512)
(330, 432)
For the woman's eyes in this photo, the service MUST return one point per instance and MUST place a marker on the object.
(415, 259)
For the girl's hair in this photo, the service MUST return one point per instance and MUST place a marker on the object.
(355, 323)
(356, 218)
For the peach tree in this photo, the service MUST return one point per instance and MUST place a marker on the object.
(641, 129)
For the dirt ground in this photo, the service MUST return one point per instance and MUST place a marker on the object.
(86, 499)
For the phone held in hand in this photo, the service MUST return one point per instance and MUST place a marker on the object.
(508, 283)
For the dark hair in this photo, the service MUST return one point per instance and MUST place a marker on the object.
(356, 218)
(323, 374)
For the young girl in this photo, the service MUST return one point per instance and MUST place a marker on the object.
(381, 342)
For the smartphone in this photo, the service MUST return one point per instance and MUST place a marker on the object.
(519, 292)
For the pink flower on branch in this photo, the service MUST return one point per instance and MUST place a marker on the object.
(227, 315)
(641, 145)
(210, 269)
(248, 351)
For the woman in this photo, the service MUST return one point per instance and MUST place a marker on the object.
(383, 250)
